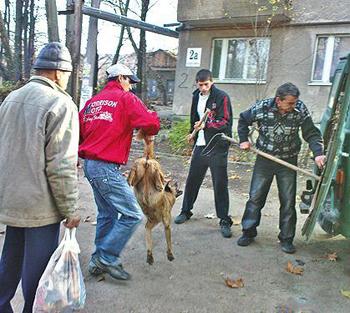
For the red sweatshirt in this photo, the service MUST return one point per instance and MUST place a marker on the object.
(107, 122)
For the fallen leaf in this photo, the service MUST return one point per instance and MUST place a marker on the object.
(210, 215)
(267, 214)
(233, 177)
(87, 219)
(238, 283)
(294, 269)
(332, 256)
(101, 277)
(2, 232)
(249, 170)
(345, 293)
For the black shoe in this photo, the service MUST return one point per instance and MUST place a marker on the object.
(116, 271)
(226, 231)
(182, 218)
(287, 247)
(245, 240)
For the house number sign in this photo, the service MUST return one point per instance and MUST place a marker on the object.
(193, 58)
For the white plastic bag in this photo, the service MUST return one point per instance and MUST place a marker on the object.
(61, 287)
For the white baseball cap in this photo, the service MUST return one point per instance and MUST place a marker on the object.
(120, 69)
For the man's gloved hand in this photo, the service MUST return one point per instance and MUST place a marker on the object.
(72, 222)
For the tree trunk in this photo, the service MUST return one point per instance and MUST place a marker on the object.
(91, 48)
(19, 41)
(70, 36)
(141, 56)
(25, 24)
(52, 22)
(7, 72)
(31, 39)
(70, 28)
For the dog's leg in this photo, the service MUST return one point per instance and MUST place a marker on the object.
(167, 230)
(149, 243)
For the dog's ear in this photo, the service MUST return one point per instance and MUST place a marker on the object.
(167, 187)
(133, 178)
(158, 178)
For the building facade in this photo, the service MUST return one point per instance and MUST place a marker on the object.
(252, 47)
(161, 66)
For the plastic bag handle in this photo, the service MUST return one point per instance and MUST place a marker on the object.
(70, 241)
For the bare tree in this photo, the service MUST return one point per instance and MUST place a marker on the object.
(141, 54)
(141, 47)
(123, 7)
(19, 41)
(6, 61)
(52, 21)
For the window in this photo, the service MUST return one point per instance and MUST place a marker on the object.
(240, 59)
(327, 53)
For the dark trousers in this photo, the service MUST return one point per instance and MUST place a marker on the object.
(198, 168)
(264, 171)
(25, 254)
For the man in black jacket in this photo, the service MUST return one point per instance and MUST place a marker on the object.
(279, 120)
(219, 120)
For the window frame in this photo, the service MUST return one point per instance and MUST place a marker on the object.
(327, 65)
(223, 61)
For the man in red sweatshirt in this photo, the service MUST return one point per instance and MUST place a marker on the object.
(106, 127)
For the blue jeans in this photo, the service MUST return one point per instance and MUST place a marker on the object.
(119, 213)
(25, 255)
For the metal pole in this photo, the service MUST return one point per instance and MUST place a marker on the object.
(78, 19)
(119, 19)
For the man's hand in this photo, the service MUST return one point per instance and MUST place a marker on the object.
(72, 222)
(320, 161)
(190, 139)
(198, 126)
(245, 145)
(149, 139)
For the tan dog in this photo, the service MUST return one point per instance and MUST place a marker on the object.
(155, 196)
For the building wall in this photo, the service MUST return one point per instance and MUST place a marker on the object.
(290, 59)
(309, 11)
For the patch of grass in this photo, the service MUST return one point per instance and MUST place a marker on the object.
(177, 137)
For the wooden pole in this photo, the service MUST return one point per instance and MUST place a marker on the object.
(275, 159)
(201, 121)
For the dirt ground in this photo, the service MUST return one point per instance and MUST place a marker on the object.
(195, 281)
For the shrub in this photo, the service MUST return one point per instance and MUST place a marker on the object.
(8, 86)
